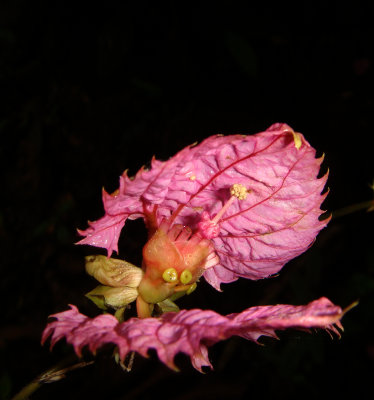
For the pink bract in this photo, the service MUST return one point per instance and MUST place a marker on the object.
(189, 332)
(277, 221)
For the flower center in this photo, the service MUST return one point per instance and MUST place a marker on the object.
(209, 228)
(173, 260)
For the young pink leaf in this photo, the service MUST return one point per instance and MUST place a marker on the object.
(189, 332)
(275, 220)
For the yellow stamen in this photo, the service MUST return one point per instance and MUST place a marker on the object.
(239, 191)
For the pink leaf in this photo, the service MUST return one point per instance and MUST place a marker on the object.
(256, 236)
(189, 332)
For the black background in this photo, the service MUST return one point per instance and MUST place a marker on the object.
(88, 91)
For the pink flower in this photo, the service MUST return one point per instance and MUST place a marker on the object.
(230, 207)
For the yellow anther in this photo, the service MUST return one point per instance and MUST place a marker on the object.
(192, 177)
(191, 288)
(186, 277)
(239, 191)
(170, 275)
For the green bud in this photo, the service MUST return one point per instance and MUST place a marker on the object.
(113, 297)
(113, 272)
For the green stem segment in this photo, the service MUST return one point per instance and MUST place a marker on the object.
(27, 391)
(143, 308)
(53, 374)
(365, 205)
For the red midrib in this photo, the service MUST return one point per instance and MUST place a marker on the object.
(181, 206)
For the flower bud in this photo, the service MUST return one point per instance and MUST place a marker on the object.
(113, 272)
(113, 297)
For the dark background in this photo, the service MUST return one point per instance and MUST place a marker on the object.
(88, 91)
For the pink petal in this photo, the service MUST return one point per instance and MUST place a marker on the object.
(277, 221)
(189, 332)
